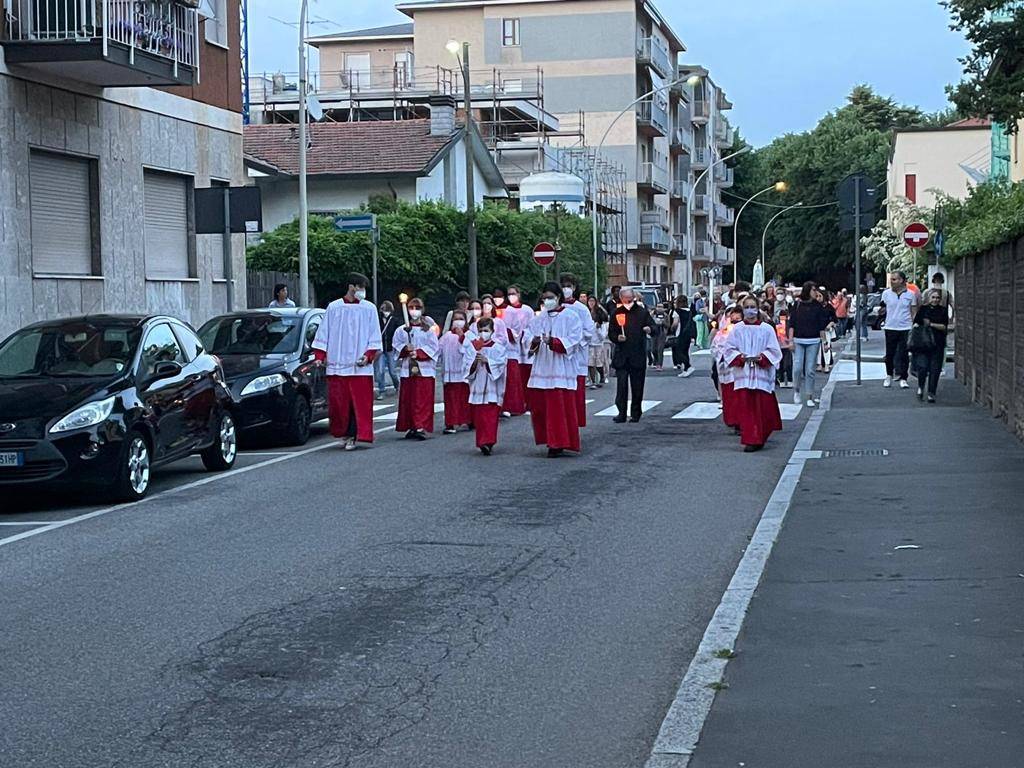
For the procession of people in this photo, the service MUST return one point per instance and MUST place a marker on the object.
(497, 358)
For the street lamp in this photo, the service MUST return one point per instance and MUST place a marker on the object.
(303, 195)
(453, 47)
(779, 186)
(764, 239)
(689, 210)
(692, 80)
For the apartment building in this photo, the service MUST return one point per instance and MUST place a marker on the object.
(114, 112)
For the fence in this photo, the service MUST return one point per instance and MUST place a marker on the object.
(260, 288)
(989, 334)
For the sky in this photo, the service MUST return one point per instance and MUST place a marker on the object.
(783, 63)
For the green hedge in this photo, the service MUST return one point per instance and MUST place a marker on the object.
(991, 215)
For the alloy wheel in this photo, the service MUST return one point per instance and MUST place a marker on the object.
(138, 466)
(228, 439)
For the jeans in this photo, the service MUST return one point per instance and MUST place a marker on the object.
(385, 361)
(805, 356)
(897, 360)
(864, 329)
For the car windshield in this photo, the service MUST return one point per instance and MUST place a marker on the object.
(74, 349)
(263, 334)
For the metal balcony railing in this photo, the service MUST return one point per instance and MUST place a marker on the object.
(653, 175)
(167, 29)
(653, 114)
(653, 52)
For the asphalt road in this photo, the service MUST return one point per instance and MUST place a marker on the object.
(407, 605)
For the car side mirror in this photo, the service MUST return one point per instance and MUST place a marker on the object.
(166, 369)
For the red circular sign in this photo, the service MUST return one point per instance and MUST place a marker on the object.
(544, 254)
(916, 235)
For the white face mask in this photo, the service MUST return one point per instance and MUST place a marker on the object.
(476, 312)
(568, 291)
(486, 335)
(513, 298)
(550, 304)
(498, 301)
(488, 308)
(360, 294)
(386, 314)
(415, 314)
(458, 324)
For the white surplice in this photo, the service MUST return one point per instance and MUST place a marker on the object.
(423, 338)
(581, 357)
(753, 340)
(347, 333)
(517, 320)
(554, 370)
(725, 373)
(451, 358)
(486, 383)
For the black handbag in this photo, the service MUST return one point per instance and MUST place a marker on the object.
(922, 339)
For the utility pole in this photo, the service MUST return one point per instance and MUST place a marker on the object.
(859, 180)
(303, 198)
(474, 280)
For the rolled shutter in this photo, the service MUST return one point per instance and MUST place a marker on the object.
(61, 212)
(166, 226)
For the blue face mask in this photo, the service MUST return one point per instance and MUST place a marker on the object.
(750, 313)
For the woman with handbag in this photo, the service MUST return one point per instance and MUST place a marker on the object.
(928, 343)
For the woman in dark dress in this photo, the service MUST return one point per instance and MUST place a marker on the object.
(685, 331)
(928, 365)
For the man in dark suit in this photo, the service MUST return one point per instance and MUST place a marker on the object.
(630, 326)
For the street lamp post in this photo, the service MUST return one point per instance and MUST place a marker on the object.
(453, 47)
(303, 197)
(689, 212)
(692, 80)
(764, 236)
(779, 186)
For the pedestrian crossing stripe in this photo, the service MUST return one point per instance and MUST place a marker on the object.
(438, 408)
(709, 411)
(383, 407)
(644, 408)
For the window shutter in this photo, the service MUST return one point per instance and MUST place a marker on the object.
(166, 226)
(61, 213)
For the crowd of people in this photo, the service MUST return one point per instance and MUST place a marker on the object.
(496, 357)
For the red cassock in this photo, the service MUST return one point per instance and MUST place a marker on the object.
(554, 416)
(416, 404)
(350, 398)
(515, 388)
(456, 405)
(525, 369)
(485, 422)
(581, 400)
(757, 413)
(729, 415)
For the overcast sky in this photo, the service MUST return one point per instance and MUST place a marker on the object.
(784, 63)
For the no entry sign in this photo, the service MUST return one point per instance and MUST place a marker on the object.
(916, 235)
(544, 254)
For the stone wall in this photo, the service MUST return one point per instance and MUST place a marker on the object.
(124, 140)
(990, 331)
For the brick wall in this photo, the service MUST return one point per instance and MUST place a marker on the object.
(990, 332)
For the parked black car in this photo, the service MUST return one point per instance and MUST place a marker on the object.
(103, 399)
(277, 386)
(874, 319)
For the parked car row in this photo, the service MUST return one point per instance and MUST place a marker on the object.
(103, 400)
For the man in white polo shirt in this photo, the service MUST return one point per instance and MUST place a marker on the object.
(900, 306)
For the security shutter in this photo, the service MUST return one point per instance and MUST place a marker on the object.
(62, 220)
(166, 226)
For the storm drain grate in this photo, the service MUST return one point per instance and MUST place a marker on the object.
(854, 453)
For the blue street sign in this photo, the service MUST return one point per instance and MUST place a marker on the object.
(940, 243)
(360, 223)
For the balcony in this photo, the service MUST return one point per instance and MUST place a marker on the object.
(724, 215)
(655, 237)
(700, 159)
(652, 178)
(652, 118)
(650, 51)
(700, 112)
(725, 176)
(680, 245)
(701, 205)
(680, 139)
(109, 43)
(703, 250)
(679, 189)
(723, 255)
(725, 134)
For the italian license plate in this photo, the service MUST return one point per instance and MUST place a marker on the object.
(11, 460)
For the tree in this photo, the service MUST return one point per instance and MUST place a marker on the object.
(993, 82)
(884, 249)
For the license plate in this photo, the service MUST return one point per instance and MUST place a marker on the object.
(11, 460)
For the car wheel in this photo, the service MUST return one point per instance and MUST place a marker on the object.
(298, 427)
(222, 454)
(133, 472)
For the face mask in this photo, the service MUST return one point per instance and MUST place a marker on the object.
(458, 324)
(514, 298)
(488, 308)
(498, 301)
(568, 291)
(627, 303)
(486, 335)
(415, 314)
(477, 312)
(361, 294)
(749, 313)
(386, 314)
(550, 304)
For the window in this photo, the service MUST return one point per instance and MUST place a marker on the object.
(403, 69)
(311, 331)
(189, 342)
(357, 70)
(216, 27)
(168, 237)
(63, 198)
(160, 346)
(510, 32)
(911, 187)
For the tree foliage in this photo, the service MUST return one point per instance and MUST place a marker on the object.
(423, 248)
(884, 249)
(992, 214)
(993, 81)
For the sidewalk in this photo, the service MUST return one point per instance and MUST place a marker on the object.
(888, 630)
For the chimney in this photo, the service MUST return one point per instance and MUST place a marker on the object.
(442, 116)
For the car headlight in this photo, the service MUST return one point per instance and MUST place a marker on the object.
(262, 384)
(87, 416)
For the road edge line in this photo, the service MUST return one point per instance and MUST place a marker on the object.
(680, 730)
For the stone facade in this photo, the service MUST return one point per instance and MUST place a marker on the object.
(124, 140)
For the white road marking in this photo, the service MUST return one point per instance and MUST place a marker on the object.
(382, 407)
(29, 524)
(709, 411)
(680, 731)
(645, 406)
(438, 408)
(846, 370)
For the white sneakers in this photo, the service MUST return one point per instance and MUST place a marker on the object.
(797, 398)
(686, 374)
(350, 444)
(810, 402)
(903, 384)
(888, 382)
